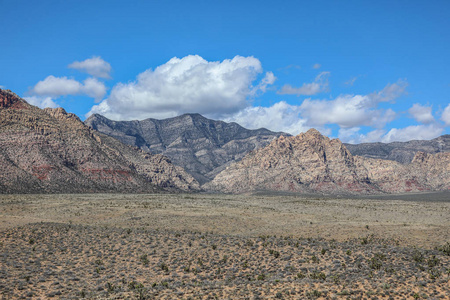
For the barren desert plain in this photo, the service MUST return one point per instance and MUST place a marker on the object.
(213, 246)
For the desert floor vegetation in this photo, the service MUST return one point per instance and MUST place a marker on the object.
(203, 246)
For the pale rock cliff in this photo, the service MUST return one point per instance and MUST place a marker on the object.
(310, 162)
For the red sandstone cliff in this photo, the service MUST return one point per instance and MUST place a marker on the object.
(53, 151)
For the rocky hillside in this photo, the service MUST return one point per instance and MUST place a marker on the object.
(53, 151)
(402, 152)
(202, 146)
(310, 162)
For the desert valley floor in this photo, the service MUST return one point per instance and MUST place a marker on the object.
(208, 246)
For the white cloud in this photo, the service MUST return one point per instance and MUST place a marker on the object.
(317, 66)
(41, 102)
(345, 111)
(421, 113)
(94, 66)
(189, 84)
(60, 86)
(269, 79)
(353, 110)
(56, 86)
(446, 115)
(319, 85)
(390, 92)
(93, 88)
(350, 135)
(2, 87)
(279, 117)
(419, 132)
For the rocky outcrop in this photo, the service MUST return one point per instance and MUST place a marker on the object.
(313, 163)
(51, 151)
(402, 152)
(203, 147)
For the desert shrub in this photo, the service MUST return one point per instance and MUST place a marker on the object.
(375, 263)
(165, 267)
(318, 275)
(433, 261)
(418, 256)
(144, 259)
(445, 248)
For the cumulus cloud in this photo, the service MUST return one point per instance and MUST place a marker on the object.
(93, 88)
(350, 135)
(278, 117)
(185, 85)
(421, 114)
(353, 110)
(269, 79)
(56, 86)
(419, 132)
(345, 111)
(317, 66)
(94, 66)
(41, 102)
(446, 115)
(60, 86)
(319, 85)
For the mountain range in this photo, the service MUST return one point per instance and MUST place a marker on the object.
(52, 151)
(311, 163)
(203, 147)
(403, 152)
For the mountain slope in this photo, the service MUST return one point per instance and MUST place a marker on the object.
(202, 146)
(310, 162)
(403, 152)
(52, 151)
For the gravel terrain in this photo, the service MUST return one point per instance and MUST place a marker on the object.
(222, 247)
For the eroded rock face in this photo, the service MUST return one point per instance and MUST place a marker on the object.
(10, 100)
(402, 152)
(203, 147)
(311, 162)
(51, 151)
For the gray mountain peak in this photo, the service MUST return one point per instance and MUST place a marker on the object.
(204, 147)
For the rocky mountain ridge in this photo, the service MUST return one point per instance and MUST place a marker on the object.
(206, 147)
(402, 152)
(52, 151)
(202, 146)
(310, 162)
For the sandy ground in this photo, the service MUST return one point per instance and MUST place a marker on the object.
(419, 223)
(327, 248)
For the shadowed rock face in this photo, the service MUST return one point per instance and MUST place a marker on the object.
(202, 146)
(402, 152)
(310, 162)
(53, 151)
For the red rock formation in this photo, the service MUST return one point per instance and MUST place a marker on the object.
(10, 100)
(51, 150)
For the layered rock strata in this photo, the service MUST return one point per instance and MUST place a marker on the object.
(203, 147)
(52, 151)
(310, 162)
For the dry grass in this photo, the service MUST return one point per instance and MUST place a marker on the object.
(221, 246)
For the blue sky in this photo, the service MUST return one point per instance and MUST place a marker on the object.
(362, 71)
